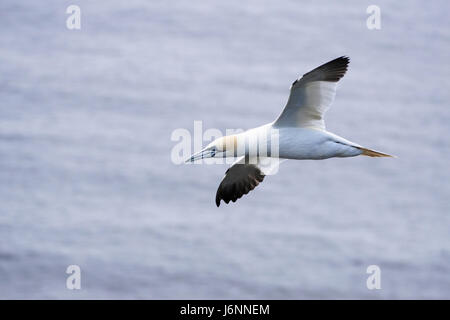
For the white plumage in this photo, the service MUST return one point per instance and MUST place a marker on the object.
(298, 133)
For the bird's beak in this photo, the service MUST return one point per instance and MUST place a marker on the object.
(205, 153)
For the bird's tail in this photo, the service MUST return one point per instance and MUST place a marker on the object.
(373, 153)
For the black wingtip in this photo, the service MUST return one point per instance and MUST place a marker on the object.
(218, 199)
(238, 181)
(331, 71)
(344, 60)
(337, 65)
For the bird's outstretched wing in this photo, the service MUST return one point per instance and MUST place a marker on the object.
(312, 95)
(243, 176)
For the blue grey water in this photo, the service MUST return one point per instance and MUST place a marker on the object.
(86, 118)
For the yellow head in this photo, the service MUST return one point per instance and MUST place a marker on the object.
(222, 147)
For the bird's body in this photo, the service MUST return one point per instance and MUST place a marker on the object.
(314, 144)
(301, 143)
(298, 133)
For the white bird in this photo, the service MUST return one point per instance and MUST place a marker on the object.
(299, 129)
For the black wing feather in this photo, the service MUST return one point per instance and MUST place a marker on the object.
(331, 71)
(240, 179)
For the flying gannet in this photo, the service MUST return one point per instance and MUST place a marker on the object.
(300, 131)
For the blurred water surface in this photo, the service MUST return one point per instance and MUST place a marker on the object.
(86, 177)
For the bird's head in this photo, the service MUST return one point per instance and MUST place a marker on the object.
(222, 147)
